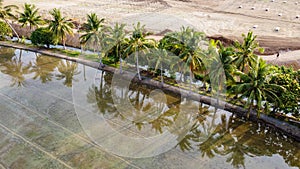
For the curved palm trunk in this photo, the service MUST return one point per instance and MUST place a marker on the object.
(12, 28)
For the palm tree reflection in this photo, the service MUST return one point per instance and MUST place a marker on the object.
(209, 132)
(6, 54)
(236, 140)
(67, 70)
(14, 67)
(100, 97)
(43, 68)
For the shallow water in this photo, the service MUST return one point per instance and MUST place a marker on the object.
(60, 114)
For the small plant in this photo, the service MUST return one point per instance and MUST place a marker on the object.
(23, 40)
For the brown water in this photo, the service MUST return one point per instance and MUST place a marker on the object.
(51, 109)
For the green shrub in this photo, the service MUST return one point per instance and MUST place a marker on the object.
(290, 99)
(5, 30)
(43, 36)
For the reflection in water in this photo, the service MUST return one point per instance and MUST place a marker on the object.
(100, 97)
(67, 70)
(6, 54)
(212, 133)
(235, 139)
(14, 67)
(42, 69)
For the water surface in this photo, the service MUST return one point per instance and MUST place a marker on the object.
(45, 103)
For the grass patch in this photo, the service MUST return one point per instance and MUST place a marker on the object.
(91, 57)
(71, 53)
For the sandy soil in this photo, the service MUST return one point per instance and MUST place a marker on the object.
(214, 17)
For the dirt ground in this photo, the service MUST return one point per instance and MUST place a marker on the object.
(228, 18)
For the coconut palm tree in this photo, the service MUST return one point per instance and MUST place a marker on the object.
(115, 41)
(186, 44)
(6, 12)
(30, 16)
(60, 26)
(94, 33)
(160, 58)
(219, 64)
(226, 56)
(245, 51)
(255, 86)
(138, 43)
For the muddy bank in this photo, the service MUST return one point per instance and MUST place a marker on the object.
(272, 45)
(287, 128)
(72, 41)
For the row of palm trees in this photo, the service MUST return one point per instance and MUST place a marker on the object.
(247, 77)
(60, 26)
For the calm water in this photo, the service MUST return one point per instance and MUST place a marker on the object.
(59, 114)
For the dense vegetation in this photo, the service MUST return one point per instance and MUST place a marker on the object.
(42, 36)
(247, 79)
(4, 30)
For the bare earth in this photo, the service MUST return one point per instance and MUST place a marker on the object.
(214, 17)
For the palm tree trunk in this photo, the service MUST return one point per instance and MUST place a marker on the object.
(213, 119)
(181, 77)
(218, 92)
(99, 56)
(64, 42)
(120, 58)
(12, 28)
(20, 56)
(243, 66)
(137, 65)
(191, 80)
(249, 110)
(161, 75)
(84, 76)
(181, 74)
